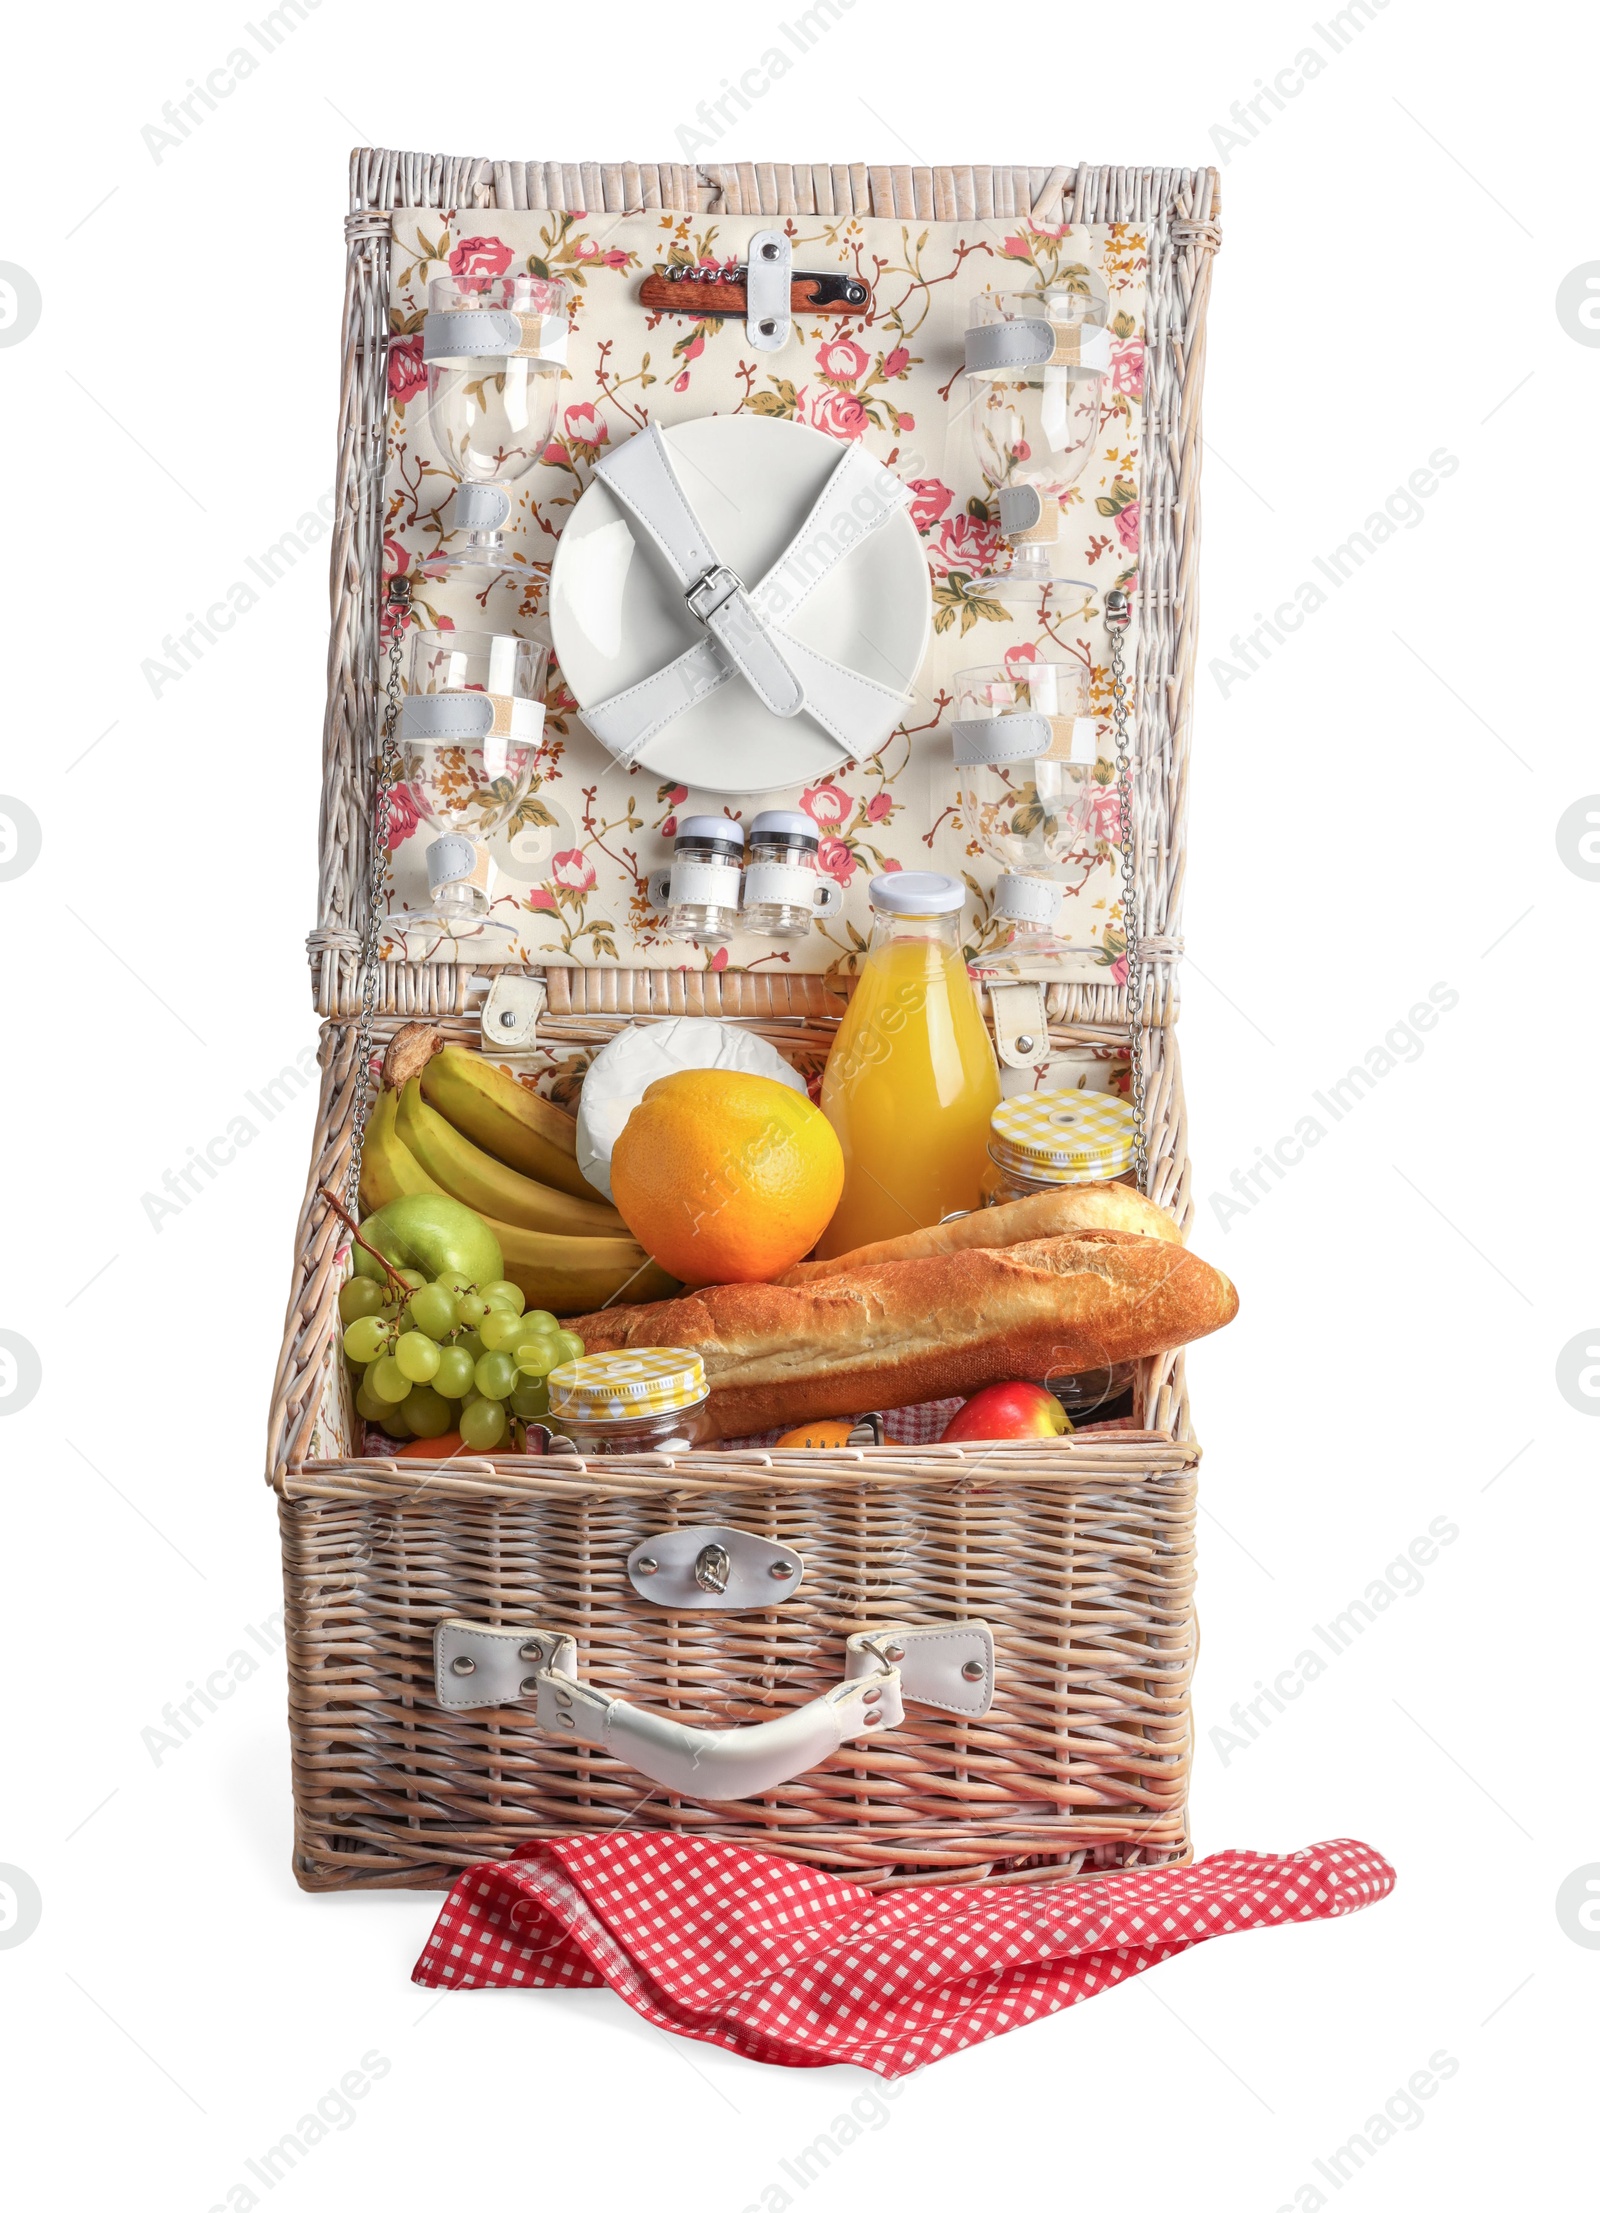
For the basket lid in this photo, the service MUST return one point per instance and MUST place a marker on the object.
(611, 1386)
(1063, 1136)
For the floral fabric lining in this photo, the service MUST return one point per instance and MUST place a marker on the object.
(574, 863)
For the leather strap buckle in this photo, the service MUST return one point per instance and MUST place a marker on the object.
(712, 592)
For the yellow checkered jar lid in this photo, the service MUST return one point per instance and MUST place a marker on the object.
(611, 1386)
(1063, 1136)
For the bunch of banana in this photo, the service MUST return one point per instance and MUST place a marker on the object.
(466, 1128)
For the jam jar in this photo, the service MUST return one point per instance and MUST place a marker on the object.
(1050, 1141)
(648, 1401)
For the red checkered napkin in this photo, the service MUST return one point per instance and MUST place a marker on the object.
(801, 1969)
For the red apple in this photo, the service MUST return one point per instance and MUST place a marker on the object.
(1008, 1410)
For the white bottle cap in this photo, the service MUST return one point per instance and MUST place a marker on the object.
(709, 826)
(784, 822)
(916, 891)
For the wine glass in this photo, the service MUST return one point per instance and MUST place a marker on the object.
(469, 732)
(1036, 369)
(1026, 744)
(494, 349)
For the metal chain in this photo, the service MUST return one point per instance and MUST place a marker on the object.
(1119, 613)
(388, 775)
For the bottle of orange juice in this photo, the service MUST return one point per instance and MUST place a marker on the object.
(911, 1081)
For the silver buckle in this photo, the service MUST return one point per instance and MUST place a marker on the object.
(719, 580)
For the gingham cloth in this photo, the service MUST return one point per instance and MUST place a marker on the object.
(801, 1969)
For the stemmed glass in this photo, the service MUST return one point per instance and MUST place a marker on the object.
(469, 732)
(1026, 743)
(494, 349)
(1036, 369)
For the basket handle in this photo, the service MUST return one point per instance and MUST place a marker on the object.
(950, 1666)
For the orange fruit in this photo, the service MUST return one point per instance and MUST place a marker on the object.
(824, 1436)
(724, 1177)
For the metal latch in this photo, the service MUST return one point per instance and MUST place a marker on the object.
(709, 1568)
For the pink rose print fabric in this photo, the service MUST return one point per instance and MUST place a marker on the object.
(892, 381)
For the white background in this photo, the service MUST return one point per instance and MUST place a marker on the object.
(1374, 812)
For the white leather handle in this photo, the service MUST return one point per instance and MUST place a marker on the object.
(952, 1668)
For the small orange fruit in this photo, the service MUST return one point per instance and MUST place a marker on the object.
(724, 1177)
(825, 1436)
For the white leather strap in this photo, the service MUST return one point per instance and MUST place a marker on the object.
(454, 859)
(481, 506)
(1028, 516)
(476, 333)
(950, 1667)
(1021, 1030)
(1000, 740)
(1034, 342)
(747, 628)
(628, 720)
(443, 718)
(787, 884)
(768, 265)
(858, 498)
(641, 475)
(849, 706)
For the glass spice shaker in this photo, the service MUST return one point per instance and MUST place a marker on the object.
(701, 889)
(783, 893)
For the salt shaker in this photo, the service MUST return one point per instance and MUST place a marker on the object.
(783, 893)
(700, 891)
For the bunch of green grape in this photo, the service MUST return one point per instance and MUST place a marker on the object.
(450, 1354)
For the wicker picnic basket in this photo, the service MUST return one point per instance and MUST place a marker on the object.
(1078, 1553)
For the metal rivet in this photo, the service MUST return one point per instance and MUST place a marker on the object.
(871, 1697)
(531, 1652)
(645, 1566)
(766, 327)
(974, 1671)
(461, 1665)
(894, 1652)
(872, 1720)
(563, 1698)
(769, 251)
(1024, 1044)
(508, 1019)
(780, 1571)
(530, 1683)
(566, 1721)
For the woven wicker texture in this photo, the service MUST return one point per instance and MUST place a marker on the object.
(1077, 1552)
(1083, 1567)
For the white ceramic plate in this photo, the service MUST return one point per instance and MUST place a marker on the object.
(617, 612)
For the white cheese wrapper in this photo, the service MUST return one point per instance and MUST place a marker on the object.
(623, 1070)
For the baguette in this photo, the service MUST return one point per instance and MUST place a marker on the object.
(1018, 1222)
(902, 1331)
